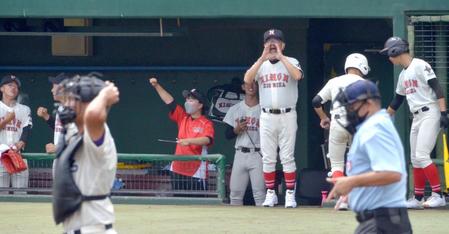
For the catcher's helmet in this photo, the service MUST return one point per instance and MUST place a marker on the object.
(395, 46)
(357, 61)
(358, 91)
(85, 88)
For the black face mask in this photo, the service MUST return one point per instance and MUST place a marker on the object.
(66, 115)
(353, 119)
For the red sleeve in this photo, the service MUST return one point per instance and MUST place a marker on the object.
(209, 131)
(177, 114)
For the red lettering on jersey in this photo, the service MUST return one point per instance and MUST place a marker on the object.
(279, 75)
(18, 123)
(274, 80)
(13, 126)
(252, 123)
(411, 83)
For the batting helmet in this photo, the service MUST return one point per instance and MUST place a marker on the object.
(395, 46)
(85, 88)
(357, 61)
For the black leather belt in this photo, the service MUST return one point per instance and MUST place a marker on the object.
(277, 111)
(423, 109)
(106, 227)
(369, 214)
(248, 150)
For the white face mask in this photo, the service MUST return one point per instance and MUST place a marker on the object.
(190, 108)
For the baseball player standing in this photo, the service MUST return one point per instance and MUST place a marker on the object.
(356, 66)
(86, 165)
(15, 127)
(195, 135)
(277, 76)
(419, 84)
(53, 122)
(376, 171)
(242, 121)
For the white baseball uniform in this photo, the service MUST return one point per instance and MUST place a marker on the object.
(423, 104)
(10, 135)
(339, 138)
(94, 174)
(247, 165)
(278, 90)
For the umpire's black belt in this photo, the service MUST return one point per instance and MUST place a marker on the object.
(248, 150)
(423, 109)
(277, 111)
(369, 214)
(78, 231)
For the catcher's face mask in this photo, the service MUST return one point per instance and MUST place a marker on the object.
(348, 116)
(67, 110)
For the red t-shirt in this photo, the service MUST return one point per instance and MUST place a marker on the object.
(191, 128)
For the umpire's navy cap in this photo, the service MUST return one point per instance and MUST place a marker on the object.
(359, 91)
(58, 79)
(10, 78)
(195, 94)
(273, 33)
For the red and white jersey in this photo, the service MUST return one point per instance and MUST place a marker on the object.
(413, 84)
(330, 91)
(191, 128)
(252, 117)
(277, 89)
(11, 133)
(94, 173)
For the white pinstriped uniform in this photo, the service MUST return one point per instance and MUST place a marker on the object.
(413, 84)
(278, 90)
(339, 138)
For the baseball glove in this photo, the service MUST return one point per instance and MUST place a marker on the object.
(13, 162)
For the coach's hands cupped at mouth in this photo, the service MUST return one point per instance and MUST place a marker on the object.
(265, 53)
(342, 186)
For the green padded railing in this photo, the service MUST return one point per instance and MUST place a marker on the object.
(217, 159)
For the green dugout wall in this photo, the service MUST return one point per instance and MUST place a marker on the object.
(223, 35)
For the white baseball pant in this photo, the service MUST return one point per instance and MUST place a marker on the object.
(247, 167)
(278, 130)
(423, 135)
(339, 139)
(17, 180)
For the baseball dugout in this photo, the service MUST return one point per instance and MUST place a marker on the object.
(139, 175)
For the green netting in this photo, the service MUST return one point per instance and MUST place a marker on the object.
(137, 174)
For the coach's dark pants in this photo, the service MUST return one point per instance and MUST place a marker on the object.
(181, 182)
(384, 220)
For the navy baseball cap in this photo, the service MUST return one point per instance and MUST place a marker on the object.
(273, 33)
(10, 78)
(58, 79)
(195, 94)
(359, 91)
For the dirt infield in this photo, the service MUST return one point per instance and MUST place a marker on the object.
(21, 218)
